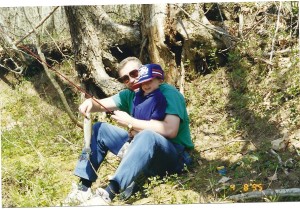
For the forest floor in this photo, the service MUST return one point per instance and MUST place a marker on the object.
(235, 116)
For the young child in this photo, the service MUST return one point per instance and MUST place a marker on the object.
(148, 103)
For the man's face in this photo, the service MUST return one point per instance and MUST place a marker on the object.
(129, 74)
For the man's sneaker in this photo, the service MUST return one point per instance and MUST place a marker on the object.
(100, 198)
(76, 196)
(130, 190)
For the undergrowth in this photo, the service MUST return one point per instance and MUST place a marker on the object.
(37, 141)
(235, 111)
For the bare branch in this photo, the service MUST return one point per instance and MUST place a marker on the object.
(275, 34)
(208, 27)
(37, 26)
(182, 78)
(42, 60)
(13, 52)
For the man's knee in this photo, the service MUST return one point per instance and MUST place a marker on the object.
(148, 136)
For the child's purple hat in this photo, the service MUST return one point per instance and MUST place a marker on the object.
(148, 72)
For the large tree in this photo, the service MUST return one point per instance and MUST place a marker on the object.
(168, 34)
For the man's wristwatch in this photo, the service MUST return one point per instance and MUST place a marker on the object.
(129, 126)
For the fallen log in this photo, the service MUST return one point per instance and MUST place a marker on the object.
(292, 192)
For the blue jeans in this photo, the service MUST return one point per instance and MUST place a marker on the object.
(149, 154)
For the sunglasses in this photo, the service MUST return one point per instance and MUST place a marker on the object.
(125, 78)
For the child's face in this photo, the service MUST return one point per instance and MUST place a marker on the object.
(151, 85)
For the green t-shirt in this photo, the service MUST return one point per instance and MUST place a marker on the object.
(176, 106)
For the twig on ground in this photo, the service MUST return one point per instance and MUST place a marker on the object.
(278, 157)
(42, 159)
(59, 136)
(10, 141)
(280, 161)
(181, 183)
(293, 192)
(274, 177)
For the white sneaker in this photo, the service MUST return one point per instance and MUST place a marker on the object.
(76, 196)
(100, 198)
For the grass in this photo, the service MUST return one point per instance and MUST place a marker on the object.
(33, 148)
(40, 145)
(235, 112)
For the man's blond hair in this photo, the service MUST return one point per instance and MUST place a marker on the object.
(128, 59)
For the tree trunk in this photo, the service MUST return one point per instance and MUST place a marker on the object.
(174, 36)
(201, 38)
(156, 28)
(177, 36)
(93, 34)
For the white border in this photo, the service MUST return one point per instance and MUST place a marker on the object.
(20, 3)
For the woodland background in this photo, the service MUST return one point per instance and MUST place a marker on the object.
(237, 64)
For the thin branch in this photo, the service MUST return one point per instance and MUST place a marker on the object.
(210, 28)
(18, 70)
(254, 26)
(241, 24)
(182, 78)
(37, 26)
(224, 26)
(280, 161)
(42, 159)
(57, 87)
(275, 34)
(12, 50)
(142, 48)
(53, 81)
(59, 136)
(293, 192)
(10, 141)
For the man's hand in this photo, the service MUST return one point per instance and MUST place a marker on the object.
(86, 107)
(93, 105)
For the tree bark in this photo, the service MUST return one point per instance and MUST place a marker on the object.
(156, 28)
(173, 35)
(201, 38)
(93, 33)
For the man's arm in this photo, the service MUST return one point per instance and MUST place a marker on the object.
(167, 128)
(89, 105)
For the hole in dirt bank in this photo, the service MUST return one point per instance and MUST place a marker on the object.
(175, 44)
(94, 90)
(206, 65)
(212, 12)
(202, 65)
(122, 52)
